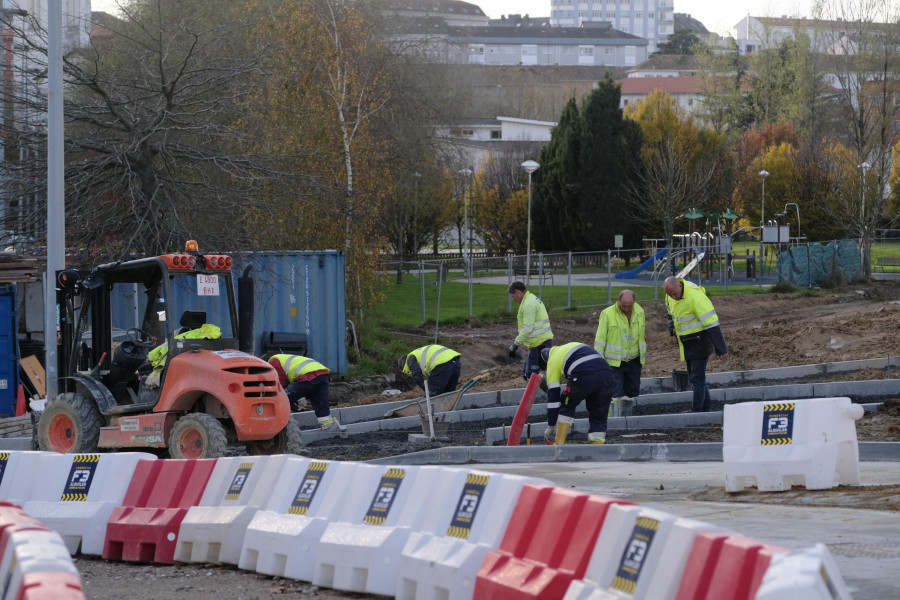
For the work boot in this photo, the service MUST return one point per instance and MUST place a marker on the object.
(597, 437)
(331, 421)
(562, 431)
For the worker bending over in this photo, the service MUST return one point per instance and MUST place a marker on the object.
(587, 376)
(302, 377)
(438, 365)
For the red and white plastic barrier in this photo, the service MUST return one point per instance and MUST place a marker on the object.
(807, 574)
(30, 553)
(546, 546)
(213, 531)
(145, 527)
(77, 493)
(780, 444)
(360, 550)
(282, 539)
(640, 553)
(17, 478)
(467, 515)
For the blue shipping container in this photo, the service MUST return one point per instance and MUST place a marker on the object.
(9, 351)
(300, 292)
(294, 292)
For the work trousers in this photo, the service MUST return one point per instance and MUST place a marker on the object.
(696, 369)
(596, 389)
(314, 390)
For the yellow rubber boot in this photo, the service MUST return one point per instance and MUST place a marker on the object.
(598, 441)
(562, 431)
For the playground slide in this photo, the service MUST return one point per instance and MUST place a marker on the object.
(644, 265)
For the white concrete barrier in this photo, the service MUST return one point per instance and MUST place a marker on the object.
(283, 537)
(213, 531)
(360, 551)
(32, 550)
(640, 553)
(808, 574)
(780, 444)
(17, 478)
(467, 516)
(76, 494)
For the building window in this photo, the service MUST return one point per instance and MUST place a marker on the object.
(496, 134)
(650, 15)
(529, 50)
(585, 51)
(609, 51)
(638, 15)
(468, 133)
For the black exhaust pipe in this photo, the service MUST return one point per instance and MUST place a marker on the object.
(245, 312)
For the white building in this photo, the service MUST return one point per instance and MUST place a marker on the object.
(477, 139)
(653, 20)
(522, 41)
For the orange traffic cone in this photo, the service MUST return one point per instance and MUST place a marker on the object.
(20, 401)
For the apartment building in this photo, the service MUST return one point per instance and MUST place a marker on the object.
(653, 20)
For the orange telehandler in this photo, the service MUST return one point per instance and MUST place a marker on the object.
(203, 395)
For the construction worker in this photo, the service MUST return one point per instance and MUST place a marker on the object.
(303, 377)
(534, 329)
(694, 321)
(157, 356)
(438, 365)
(620, 341)
(587, 376)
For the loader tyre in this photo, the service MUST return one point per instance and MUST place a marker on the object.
(286, 442)
(70, 424)
(197, 435)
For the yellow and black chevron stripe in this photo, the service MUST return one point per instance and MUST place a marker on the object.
(777, 442)
(4, 456)
(478, 479)
(86, 458)
(317, 466)
(647, 523)
(625, 585)
(394, 474)
(779, 407)
(81, 497)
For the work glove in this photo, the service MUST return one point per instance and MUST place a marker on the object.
(550, 434)
(671, 326)
(564, 395)
(512, 350)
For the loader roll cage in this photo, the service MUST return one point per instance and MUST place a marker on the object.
(111, 318)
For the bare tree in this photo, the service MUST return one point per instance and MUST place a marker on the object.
(668, 185)
(865, 43)
(154, 150)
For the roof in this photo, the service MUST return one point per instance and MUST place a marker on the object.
(501, 34)
(453, 7)
(672, 85)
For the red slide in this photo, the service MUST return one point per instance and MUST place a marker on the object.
(515, 431)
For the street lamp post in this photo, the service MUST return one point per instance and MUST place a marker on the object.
(762, 226)
(530, 166)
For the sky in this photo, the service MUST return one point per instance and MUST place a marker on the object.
(717, 15)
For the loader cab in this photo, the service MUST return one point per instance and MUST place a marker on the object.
(120, 312)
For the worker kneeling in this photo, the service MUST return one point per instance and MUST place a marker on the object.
(587, 377)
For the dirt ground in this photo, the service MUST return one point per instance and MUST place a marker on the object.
(765, 330)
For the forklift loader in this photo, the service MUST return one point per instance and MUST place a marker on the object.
(203, 395)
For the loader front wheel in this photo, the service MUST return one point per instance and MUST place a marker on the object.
(286, 442)
(197, 435)
(70, 424)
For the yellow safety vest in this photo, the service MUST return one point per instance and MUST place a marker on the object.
(429, 357)
(157, 356)
(294, 366)
(616, 339)
(693, 313)
(534, 323)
